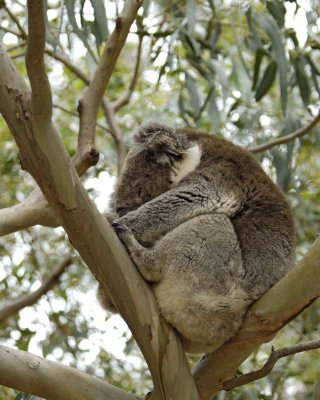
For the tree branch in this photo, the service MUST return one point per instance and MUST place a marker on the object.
(116, 133)
(41, 98)
(17, 22)
(91, 100)
(296, 291)
(14, 306)
(96, 241)
(51, 380)
(268, 366)
(124, 100)
(288, 138)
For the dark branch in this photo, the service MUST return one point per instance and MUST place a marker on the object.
(268, 366)
(31, 298)
(285, 139)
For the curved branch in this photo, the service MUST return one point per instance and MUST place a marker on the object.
(51, 380)
(268, 366)
(124, 100)
(296, 291)
(31, 298)
(285, 139)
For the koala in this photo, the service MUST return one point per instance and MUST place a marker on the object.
(205, 226)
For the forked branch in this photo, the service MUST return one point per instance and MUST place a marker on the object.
(271, 362)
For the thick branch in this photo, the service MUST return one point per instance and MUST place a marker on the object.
(51, 380)
(288, 138)
(91, 100)
(297, 290)
(50, 281)
(268, 366)
(41, 91)
(32, 211)
(96, 242)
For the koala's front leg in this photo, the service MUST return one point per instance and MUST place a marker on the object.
(145, 259)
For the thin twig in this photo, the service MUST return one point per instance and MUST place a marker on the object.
(268, 366)
(116, 133)
(124, 100)
(31, 298)
(17, 22)
(76, 115)
(285, 139)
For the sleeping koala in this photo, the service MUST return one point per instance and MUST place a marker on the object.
(205, 226)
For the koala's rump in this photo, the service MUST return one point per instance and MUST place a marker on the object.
(200, 292)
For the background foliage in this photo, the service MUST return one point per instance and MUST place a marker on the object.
(246, 70)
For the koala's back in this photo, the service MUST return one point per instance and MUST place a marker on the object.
(264, 224)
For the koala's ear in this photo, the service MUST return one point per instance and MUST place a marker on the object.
(149, 130)
(163, 143)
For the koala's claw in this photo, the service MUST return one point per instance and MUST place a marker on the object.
(118, 227)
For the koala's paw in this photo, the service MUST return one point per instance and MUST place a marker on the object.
(122, 230)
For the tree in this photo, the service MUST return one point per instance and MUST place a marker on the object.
(232, 67)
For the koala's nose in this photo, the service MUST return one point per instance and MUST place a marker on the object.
(122, 211)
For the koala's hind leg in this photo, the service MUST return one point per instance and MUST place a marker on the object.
(146, 259)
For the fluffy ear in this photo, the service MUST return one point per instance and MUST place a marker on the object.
(163, 144)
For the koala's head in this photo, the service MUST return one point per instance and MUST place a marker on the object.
(150, 166)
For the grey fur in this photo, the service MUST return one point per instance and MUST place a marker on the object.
(210, 243)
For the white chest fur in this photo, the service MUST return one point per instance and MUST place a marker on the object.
(190, 160)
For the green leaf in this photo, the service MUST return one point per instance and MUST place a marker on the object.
(277, 9)
(214, 112)
(100, 26)
(299, 63)
(259, 56)
(193, 91)
(267, 80)
(191, 15)
(268, 24)
(70, 5)
(220, 72)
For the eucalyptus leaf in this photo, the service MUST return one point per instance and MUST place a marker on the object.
(214, 112)
(100, 21)
(266, 80)
(71, 10)
(277, 9)
(193, 92)
(258, 59)
(191, 15)
(299, 63)
(268, 24)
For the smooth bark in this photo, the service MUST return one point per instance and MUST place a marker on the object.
(51, 380)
